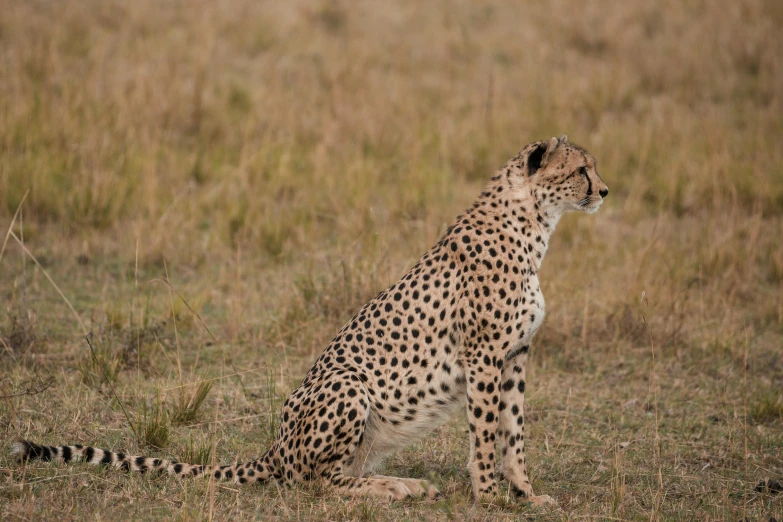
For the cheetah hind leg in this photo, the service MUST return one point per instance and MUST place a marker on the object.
(368, 454)
(352, 454)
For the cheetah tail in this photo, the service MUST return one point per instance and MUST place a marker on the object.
(260, 470)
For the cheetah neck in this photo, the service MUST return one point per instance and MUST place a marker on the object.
(540, 226)
(522, 216)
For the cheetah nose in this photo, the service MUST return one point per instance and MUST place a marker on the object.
(603, 192)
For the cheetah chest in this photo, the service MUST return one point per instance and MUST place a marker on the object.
(530, 312)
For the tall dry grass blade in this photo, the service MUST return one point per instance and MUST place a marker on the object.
(660, 493)
(11, 226)
(49, 278)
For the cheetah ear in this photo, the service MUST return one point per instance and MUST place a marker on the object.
(551, 147)
(542, 153)
(534, 159)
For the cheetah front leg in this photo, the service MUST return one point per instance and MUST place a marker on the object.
(482, 387)
(511, 428)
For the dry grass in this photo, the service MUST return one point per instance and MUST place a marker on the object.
(280, 162)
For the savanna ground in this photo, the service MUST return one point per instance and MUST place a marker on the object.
(278, 163)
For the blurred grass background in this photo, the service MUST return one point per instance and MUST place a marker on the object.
(281, 162)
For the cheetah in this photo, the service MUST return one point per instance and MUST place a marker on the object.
(455, 331)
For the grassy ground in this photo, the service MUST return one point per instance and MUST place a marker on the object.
(278, 163)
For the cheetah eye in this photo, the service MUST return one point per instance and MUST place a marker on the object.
(583, 172)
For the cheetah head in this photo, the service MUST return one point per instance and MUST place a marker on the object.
(562, 176)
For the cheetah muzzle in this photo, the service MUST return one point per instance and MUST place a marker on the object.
(455, 330)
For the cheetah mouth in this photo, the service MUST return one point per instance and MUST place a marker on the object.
(589, 204)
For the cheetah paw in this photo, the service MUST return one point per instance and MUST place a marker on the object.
(415, 488)
(542, 500)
